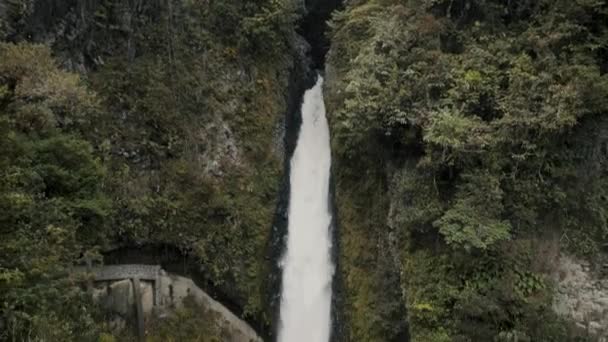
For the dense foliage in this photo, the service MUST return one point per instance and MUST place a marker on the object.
(53, 209)
(167, 136)
(469, 139)
(192, 161)
(486, 120)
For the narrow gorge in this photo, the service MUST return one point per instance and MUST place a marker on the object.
(304, 170)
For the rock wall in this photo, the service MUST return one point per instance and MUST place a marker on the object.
(582, 296)
(118, 298)
(193, 114)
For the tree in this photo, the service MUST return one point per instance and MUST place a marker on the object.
(52, 208)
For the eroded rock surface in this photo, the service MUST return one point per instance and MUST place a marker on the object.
(582, 296)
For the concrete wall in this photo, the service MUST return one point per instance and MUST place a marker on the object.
(159, 295)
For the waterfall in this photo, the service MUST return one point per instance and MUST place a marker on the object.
(307, 264)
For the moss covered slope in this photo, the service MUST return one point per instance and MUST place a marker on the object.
(464, 134)
(174, 110)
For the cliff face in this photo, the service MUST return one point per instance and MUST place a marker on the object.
(190, 114)
(469, 145)
(465, 137)
(582, 295)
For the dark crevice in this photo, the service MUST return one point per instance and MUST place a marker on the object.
(314, 28)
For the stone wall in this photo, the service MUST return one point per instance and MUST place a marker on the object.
(160, 295)
(582, 296)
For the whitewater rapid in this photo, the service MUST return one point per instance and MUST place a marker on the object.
(305, 311)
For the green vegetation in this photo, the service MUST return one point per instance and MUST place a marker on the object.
(189, 324)
(169, 137)
(52, 205)
(469, 139)
(197, 112)
(483, 118)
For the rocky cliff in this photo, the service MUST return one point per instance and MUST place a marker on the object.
(189, 102)
(582, 295)
(467, 135)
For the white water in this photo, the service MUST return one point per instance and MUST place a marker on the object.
(307, 265)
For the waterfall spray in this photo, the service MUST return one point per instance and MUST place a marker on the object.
(307, 264)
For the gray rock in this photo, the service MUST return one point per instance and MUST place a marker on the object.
(221, 148)
(594, 327)
(581, 296)
(561, 307)
(577, 316)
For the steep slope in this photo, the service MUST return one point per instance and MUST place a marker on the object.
(189, 102)
(468, 140)
(466, 144)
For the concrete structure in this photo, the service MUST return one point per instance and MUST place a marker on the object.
(142, 290)
(119, 272)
